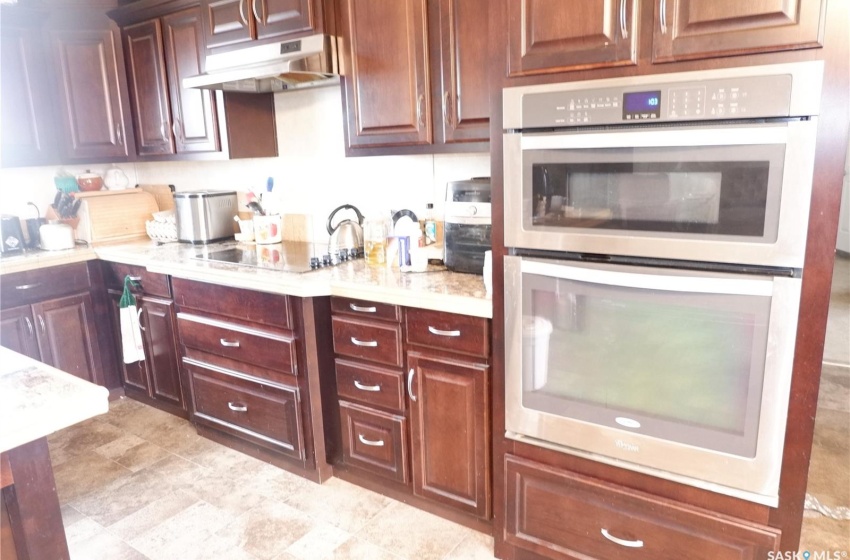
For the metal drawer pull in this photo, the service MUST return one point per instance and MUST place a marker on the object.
(410, 384)
(621, 542)
(662, 8)
(369, 343)
(438, 332)
(242, 17)
(28, 286)
(41, 322)
(139, 317)
(373, 388)
(623, 30)
(135, 278)
(29, 326)
(363, 309)
(229, 344)
(364, 441)
(242, 408)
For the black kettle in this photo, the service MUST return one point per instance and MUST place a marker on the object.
(347, 234)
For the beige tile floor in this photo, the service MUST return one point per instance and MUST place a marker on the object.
(139, 484)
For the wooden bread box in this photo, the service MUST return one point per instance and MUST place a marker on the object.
(114, 215)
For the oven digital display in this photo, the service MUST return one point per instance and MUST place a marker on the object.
(641, 105)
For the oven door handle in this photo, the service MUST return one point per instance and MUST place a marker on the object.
(649, 280)
(658, 138)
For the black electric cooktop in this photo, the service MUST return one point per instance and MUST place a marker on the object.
(290, 256)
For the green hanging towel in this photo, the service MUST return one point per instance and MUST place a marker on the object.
(131, 335)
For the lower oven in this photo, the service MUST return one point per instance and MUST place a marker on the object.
(682, 374)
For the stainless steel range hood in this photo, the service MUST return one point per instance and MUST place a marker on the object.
(296, 64)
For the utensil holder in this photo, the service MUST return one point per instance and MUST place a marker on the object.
(268, 229)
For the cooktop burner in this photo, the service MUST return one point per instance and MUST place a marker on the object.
(290, 256)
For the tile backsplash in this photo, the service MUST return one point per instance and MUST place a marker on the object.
(312, 175)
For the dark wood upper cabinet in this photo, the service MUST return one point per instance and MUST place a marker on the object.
(27, 136)
(231, 23)
(686, 29)
(547, 36)
(414, 75)
(89, 75)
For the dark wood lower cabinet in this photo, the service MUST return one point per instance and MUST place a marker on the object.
(17, 331)
(562, 515)
(161, 357)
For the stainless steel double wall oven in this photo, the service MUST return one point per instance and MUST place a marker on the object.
(656, 229)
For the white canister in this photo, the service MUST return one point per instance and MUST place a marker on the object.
(268, 229)
(55, 237)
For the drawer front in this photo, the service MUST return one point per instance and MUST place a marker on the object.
(365, 309)
(261, 348)
(370, 385)
(151, 283)
(246, 305)
(558, 515)
(266, 414)
(448, 331)
(374, 440)
(377, 342)
(41, 284)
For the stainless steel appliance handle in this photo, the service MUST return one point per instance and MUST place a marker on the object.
(361, 309)
(623, 30)
(410, 384)
(373, 443)
(621, 542)
(28, 286)
(362, 387)
(236, 407)
(229, 343)
(438, 332)
(367, 343)
(242, 17)
(139, 317)
(650, 281)
(29, 326)
(662, 15)
(657, 138)
(41, 324)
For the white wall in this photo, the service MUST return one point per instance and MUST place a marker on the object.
(312, 174)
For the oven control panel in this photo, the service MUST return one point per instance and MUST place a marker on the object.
(730, 98)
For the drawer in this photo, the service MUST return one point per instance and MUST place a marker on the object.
(19, 288)
(558, 515)
(374, 440)
(448, 331)
(374, 341)
(246, 305)
(151, 283)
(365, 309)
(237, 342)
(263, 413)
(370, 385)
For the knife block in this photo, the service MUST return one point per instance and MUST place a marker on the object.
(114, 215)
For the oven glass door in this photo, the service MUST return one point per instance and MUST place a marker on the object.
(614, 358)
(687, 193)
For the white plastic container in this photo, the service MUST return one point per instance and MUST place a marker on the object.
(268, 229)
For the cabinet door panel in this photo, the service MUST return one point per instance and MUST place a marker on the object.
(193, 110)
(386, 73)
(451, 433)
(465, 94)
(160, 343)
(686, 29)
(87, 70)
(283, 17)
(132, 374)
(148, 89)
(227, 23)
(545, 36)
(17, 331)
(67, 338)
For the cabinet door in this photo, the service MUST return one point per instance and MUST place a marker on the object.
(686, 29)
(159, 336)
(148, 89)
(386, 73)
(89, 97)
(193, 111)
(278, 18)
(17, 331)
(27, 136)
(133, 374)
(227, 23)
(546, 36)
(67, 338)
(464, 92)
(450, 414)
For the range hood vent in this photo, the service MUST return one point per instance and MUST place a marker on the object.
(296, 64)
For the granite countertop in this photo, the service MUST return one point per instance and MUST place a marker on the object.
(437, 288)
(37, 400)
